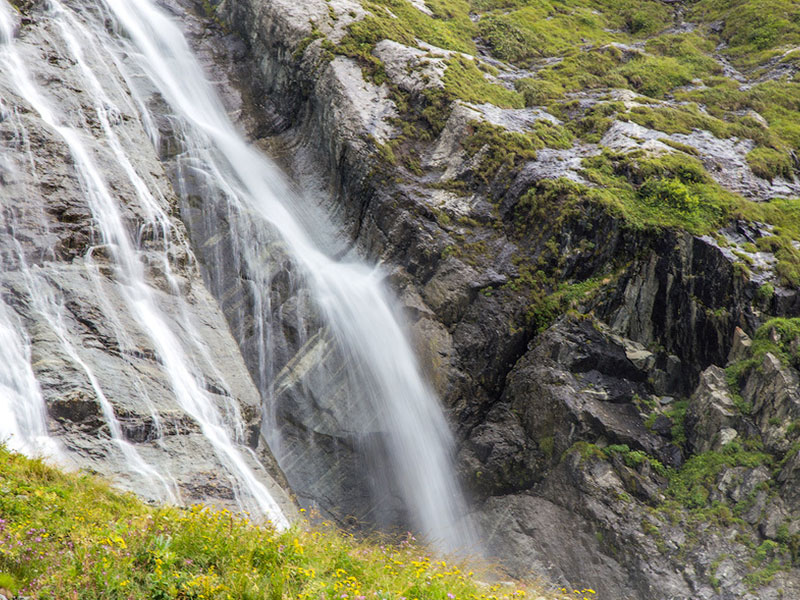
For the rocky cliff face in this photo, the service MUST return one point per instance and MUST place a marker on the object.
(578, 272)
(591, 242)
(107, 384)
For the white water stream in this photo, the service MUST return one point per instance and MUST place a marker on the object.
(350, 296)
(23, 423)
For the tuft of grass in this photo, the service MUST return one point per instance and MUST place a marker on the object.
(464, 79)
(503, 150)
(538, 92)
(635, 458)
(667, 191)
(691, 485)
(753, 30)
(769, 163)
(778, 336)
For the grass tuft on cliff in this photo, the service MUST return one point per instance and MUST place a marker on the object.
(65, 535)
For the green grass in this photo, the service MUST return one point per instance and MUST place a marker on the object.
(635, 458)
(754, 30)
(769, 163)
(784, 214)
(668, 191)
(503, 150)
(539, 29)
(673, 191)
(691, 485)
(778, 336)
(464, 80)
(450, 28)
(72, 536)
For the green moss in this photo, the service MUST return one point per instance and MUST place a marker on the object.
(449, 28)
(691, 484)
(537, 92)
(385, 152)
(680, 147)
(684, 119)
(784, 214)
(654, 76)
(464, 80)
(586, 451)
(677, 414)
(503, 150)
(671, 194)
(508, 40)
(634, 458)
(778, 336)
(776, 101)
(546, 445)
(593, 69)
(592, 124)
(753, 30)
(768, 163)
(667, 191)
(768, 556)
(306, 42)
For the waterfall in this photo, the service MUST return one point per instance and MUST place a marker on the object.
(136, 292)
(386, 390)
(23, 425)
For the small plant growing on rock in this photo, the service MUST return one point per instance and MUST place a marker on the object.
(669, 193)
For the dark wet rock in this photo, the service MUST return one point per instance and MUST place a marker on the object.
(774, 392)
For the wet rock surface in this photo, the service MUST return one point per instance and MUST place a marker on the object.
(578, 434)
(575, 432)
(89, 350)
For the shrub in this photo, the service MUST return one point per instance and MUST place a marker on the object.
(669, 193)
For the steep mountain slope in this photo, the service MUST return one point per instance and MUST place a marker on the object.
(590, 206)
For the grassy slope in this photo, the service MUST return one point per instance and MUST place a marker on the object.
(71, 536)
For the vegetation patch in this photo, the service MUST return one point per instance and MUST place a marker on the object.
(690, 486)
(754, 31)
(666, 191)
(779, 337)
(464, 80)
(635, 458)
(63, 533)
(501, 150)
(769, 163)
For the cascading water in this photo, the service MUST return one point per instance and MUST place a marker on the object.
(351, 296)
(138, 295)
(24, 425)
(385, 391)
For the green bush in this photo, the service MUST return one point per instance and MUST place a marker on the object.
(669, 193)
(538, 91)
